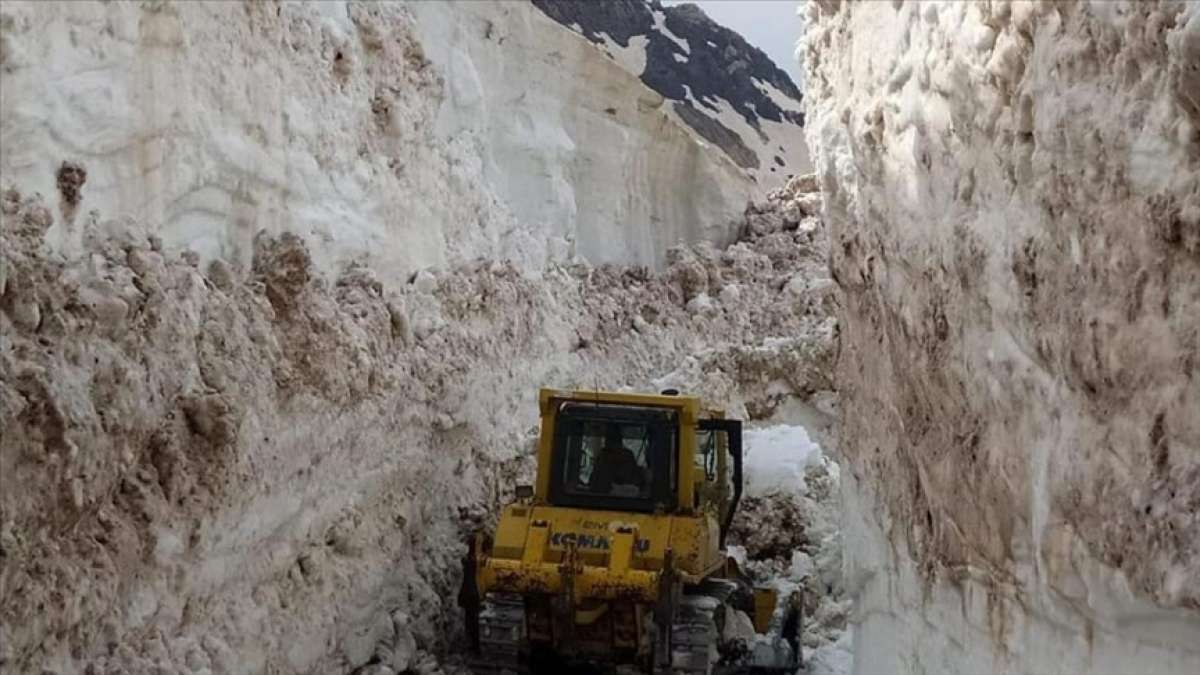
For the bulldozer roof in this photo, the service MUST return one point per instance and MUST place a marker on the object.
(685, 403)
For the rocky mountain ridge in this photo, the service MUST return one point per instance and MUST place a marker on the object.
(724, 88)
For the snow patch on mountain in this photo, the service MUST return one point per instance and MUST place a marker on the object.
(632, 56)
(660, 25)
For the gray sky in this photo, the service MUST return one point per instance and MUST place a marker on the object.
(770, 25)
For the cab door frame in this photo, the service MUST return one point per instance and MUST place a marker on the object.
(733, 432)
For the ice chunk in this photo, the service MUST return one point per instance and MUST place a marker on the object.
(776, 457)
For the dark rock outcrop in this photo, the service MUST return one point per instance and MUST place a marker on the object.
(718, 63)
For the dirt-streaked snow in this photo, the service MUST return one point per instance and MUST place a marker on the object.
(1013, 192)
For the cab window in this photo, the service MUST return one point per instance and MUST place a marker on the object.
(609, 456)
(712, 470)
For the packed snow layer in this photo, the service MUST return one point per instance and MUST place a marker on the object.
(396, 135)
(1013, 192)
(573, 142)
(276, 473)
(835, 658)
(775, 459)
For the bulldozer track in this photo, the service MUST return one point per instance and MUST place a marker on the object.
(694, 636)
(695, 633)
(501, 634)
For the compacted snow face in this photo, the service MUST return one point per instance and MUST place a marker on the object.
(776, 459)
(573, 142)
(1013, 191)
(400, 135)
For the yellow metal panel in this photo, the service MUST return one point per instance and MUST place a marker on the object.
(545, 396)
(541, 491)
(592, 531)
(510, 532)
(536, 543)
(694, 539)
(590, 583)
(621, 556)
(696, 543)
(765, 600)
(688, 419)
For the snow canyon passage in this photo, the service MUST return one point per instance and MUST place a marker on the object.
(279, 282)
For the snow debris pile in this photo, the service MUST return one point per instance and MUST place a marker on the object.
(1013, 196)
(778, 374)
(777, 458)
(210, 472)
(787, 535)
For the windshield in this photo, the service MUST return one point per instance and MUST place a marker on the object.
(609, 456)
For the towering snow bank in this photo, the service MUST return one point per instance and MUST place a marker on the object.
(1014, 198)
(278, 284)
(571, 141)
(210, 122)
(381, 138)
(276, 473)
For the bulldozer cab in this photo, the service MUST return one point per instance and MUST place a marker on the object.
(638, 453)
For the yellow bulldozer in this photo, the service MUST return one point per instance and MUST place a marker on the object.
(615, 558)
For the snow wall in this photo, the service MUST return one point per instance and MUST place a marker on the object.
(395, 135)
(1013, 192)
